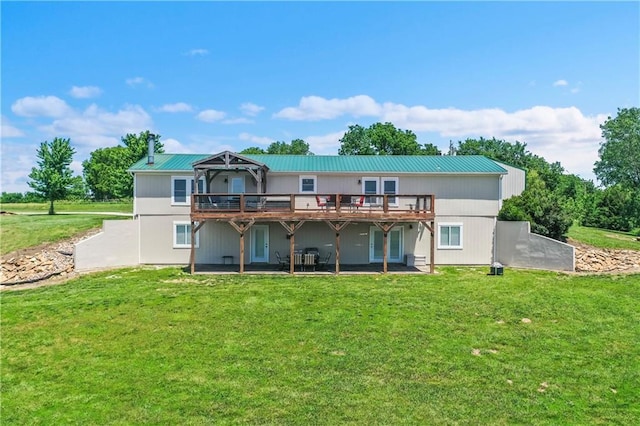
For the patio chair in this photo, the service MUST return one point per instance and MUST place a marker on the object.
(357, 202)
(322, 265)
(297, 260)
(321, 202)
(309, 261)
(283, 263)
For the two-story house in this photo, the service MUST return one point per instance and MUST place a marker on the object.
(204, 210)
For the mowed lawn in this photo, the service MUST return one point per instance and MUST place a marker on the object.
(70, 206)
(150, 346)
(27, 230)
(604, 238)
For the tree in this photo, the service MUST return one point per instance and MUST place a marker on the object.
(138, 145)
(620, 151)
(105, 171)
(380, 139)
(253, 150)
(542, 208)
(296, 147)
(430, 149)
(53, 177)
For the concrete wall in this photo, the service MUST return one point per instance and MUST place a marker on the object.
(116, 245)
(517, 246)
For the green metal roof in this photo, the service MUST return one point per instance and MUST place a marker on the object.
(340, 163)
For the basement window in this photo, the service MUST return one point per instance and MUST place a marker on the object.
(450, 236)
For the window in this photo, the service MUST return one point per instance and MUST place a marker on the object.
(308, 184)
(387, 185)
(450, 236)
(390, 186)
(179, 195)
(182, 235)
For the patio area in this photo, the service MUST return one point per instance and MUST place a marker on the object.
(272, 269)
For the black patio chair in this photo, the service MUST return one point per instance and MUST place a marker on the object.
(322, 265)
(284, 263)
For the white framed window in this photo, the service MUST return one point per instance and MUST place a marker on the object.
(390, 186)
(182, 235)
(308, 184)
(383, 185)
(450, 236)
(179, 194)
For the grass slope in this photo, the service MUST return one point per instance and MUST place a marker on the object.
(23, 231)
(163, 347)
(604, 238)
(69, 206)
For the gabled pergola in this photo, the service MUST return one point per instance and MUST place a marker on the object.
(212, 166)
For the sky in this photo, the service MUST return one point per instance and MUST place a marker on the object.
(212, 76)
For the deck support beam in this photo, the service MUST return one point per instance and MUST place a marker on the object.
(431, 226)
(242, 227)
(291, 235)
(385, 227)
(337, 227)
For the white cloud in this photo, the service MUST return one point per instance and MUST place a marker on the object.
(139, 81)
(177, 107)
(94, 127)
(318, 108)
(83, 92)
(239, 120)
(211, 115)
(197, 52)
(251, 109)
(40, 106)
(9, 131)
(174, 146)
(325, 144)
(557, 134)
(260, 140)
(560, 83)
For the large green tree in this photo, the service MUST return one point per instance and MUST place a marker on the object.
(620, 151)
(542, 208)
(105, 171)
(380, 139)
(53, 178)
(296, 147)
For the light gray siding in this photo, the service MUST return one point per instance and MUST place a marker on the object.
(513, 183)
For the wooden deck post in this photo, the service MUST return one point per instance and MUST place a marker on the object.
(432, 257)
(292, 247)
(242, 252)
(384, 251)
(337, 227)
(192, 256)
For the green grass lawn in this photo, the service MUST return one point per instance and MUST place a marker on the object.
(604, 238)
(22, 231)
(69, 206)
(162, 347)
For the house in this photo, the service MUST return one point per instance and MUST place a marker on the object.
(258, 209)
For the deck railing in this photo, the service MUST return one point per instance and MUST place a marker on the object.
(322, 204)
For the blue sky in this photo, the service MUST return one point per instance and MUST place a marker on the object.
(210, 76)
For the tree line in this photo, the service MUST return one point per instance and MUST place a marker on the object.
(552, 200)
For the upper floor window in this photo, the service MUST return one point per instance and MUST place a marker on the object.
(179, 194)
(236, 185)
(308, 184)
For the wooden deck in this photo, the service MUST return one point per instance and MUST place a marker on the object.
(320, 207)
(242, 211)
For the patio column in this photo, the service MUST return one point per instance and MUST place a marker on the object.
(385, 228)
(242, 228)
(291, 233)
(337, 227)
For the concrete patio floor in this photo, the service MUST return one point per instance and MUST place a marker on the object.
(373, 268)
